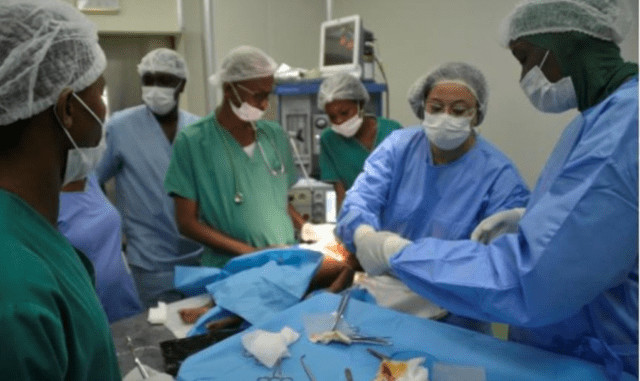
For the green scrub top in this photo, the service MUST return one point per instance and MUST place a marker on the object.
(51, 322)
(201, 170)
(342, 159)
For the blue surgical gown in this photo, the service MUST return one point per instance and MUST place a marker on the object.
(568, 280)
(92, 225)
(138, 154)
(402, 191)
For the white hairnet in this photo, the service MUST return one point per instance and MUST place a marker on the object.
(341, 86)
(604, 19)
(243, 63)
(163, 60)
(45, 46)
(457, 72)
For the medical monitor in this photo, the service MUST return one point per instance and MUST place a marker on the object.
(341, 46)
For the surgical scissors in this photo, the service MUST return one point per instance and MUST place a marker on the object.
(276, 375)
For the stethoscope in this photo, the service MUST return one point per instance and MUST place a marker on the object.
(238, 197)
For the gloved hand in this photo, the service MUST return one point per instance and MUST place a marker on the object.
(308, 233)
(374, 249)
(497, 224)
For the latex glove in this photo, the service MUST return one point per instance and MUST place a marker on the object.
(497, 224)
(269, 347)
(308, 233)
(374, 249)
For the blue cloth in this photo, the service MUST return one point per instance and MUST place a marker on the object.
(402, 191)
(257, 285)
(568, 280)
(411, 336)
(192, 280)
(137, 155)
(92, 225)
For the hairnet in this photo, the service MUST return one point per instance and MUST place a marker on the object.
(458, 72)
(341, 86)
(45, 46)
(243, 63)
(163, 60)
(604, 19)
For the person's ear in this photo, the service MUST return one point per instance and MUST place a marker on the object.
(64, 108)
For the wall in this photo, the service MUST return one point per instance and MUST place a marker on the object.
(414, 36)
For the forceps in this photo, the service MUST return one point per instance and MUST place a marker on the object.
(141, 368)
(276, 375)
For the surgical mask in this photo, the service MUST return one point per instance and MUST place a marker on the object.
(161, 100)
(81, 161)
(349, 127)
(445, 131)
(547, 96)
(246, 112)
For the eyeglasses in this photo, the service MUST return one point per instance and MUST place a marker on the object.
(457, 109)
(258, 97)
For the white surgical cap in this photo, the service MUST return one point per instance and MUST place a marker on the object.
(45, 46)
(163, 60)
(608, 20)
(341, 86)
(457, 72)
(243, 63)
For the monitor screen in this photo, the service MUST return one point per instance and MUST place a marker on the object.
(340, 44)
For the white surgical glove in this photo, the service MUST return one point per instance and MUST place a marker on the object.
(497, 224)
(374, 249)
(308, 233)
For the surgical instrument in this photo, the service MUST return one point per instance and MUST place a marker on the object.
(378, 355)
(141, 368)
(307, 370)
(347, 374)
(341, 307)
(276, 375)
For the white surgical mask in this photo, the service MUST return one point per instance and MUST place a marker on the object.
(349, 127)
(445, 131)
(547, 96)
(161, 100)
(245, 112)
(81, 161)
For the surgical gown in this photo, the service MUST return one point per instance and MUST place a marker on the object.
(209, 166)
(93, 226)
(402, 191)
(52, 326)
(137, 155)
(568, 280)
(342, 159)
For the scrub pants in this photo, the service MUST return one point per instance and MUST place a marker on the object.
(155, 286)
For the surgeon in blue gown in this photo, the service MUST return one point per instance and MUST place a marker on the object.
(436, 180)
(567, 279)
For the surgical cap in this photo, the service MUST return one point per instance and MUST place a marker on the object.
(608, 20)
(45, 46)
(244, 63)
(341, 86)
(457, 72)
(163, 60)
